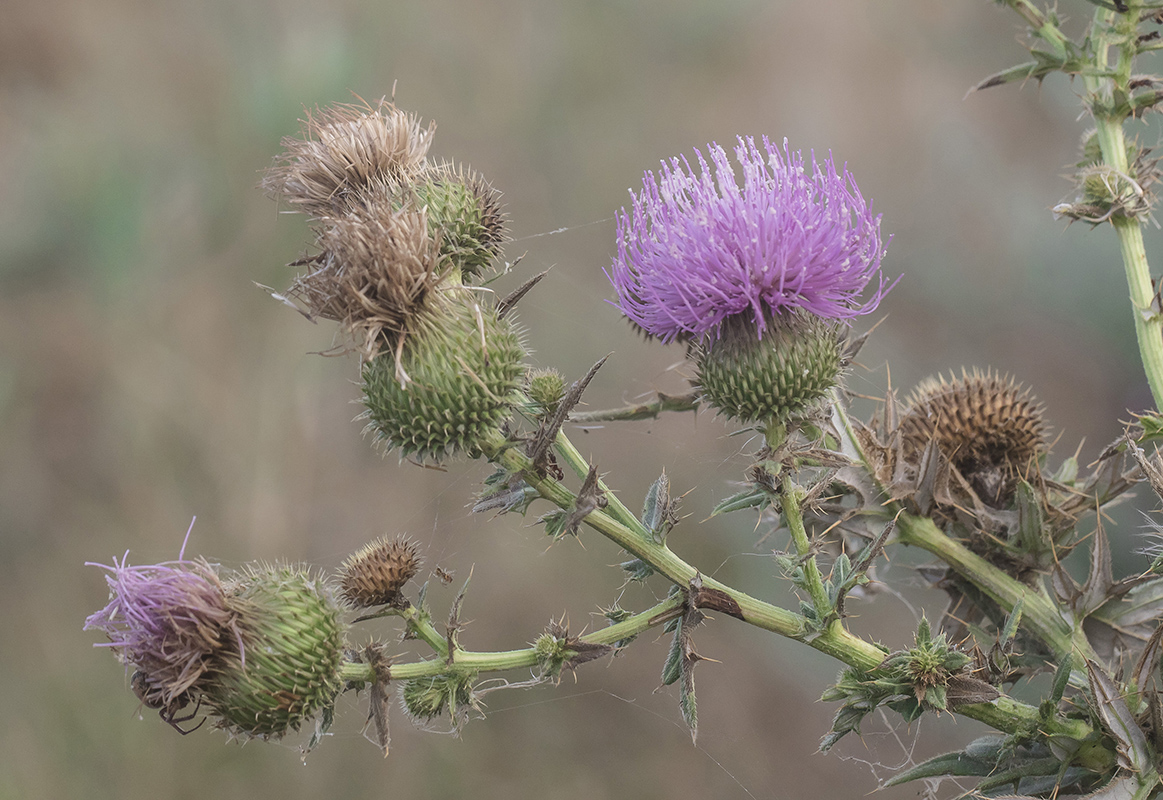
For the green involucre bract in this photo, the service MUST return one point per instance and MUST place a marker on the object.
(460, 385)
(292, 646)
(770, 379)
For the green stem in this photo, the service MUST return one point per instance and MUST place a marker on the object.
(1038, 614)
(651, 410)
(469, 661)
(791, 498)
(420, 623)
(632, 537)
(1112, 29)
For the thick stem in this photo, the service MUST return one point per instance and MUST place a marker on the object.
(1112, 29)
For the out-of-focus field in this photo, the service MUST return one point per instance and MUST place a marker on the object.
(144, 379)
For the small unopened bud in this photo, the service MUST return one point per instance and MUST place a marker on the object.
(452, 383)
(375, 575)
(545, 387)
(285, 667)
(773, 378)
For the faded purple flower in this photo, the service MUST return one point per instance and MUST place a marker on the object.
(696, 248)
(167, 620)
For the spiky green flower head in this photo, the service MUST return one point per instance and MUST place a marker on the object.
(464, 211)
(545, 388)
(285, 667)
(774, 378)
(425, 699)
(452, 382)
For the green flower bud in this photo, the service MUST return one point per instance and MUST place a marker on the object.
(453, 383)
(770, 379)
(426, 698)
(545, 387)
(465, 212)
(291, 647)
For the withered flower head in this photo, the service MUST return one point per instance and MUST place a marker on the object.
(375, 575)
(169, 621)
(344, 152)
(376, 266)
(988, 426)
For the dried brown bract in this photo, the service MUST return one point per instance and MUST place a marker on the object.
(375, 575)
(988, 427)
(344, 152)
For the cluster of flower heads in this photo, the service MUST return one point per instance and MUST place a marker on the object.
(259, 650)
(390, 226)
(791, 251)
(400, 245)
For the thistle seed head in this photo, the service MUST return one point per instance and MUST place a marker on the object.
(376, 268)
(464, 211)
(347, 153)
(988, 426)
(375, 575)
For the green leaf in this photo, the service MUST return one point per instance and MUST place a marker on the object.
(1030, 519)
(748, 498)
(656, 509)
(1120, 723)
(956, 764)
(1062, 678)
(673, 666)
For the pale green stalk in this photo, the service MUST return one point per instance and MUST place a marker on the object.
(1112, 29)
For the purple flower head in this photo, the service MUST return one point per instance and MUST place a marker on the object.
(698, 248)
(167, 620)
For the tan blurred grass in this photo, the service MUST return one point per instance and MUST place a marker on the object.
(143, 379)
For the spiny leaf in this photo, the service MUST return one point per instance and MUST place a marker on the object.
(1120, 723)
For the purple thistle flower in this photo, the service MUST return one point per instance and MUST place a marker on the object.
(167, 620)
(696, 248)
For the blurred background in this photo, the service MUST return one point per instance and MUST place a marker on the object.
(144, 379)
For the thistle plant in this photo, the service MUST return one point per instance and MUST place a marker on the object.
(760, 266)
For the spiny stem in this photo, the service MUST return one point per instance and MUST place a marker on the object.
(632, 536)
(420, 623)
(470, 661)
(791, 498)
(1112, 29)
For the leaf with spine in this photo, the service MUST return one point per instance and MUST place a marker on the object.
(1031, 521)
(754, 497)
(656, 509)
(1148, 661)
(1099, 582)
(1119, 722)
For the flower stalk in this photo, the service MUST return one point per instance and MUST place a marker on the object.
(1104, 84)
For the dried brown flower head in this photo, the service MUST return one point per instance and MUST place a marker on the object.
(375, 575)
(346, 153)
(989, 427)
(375, 269)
